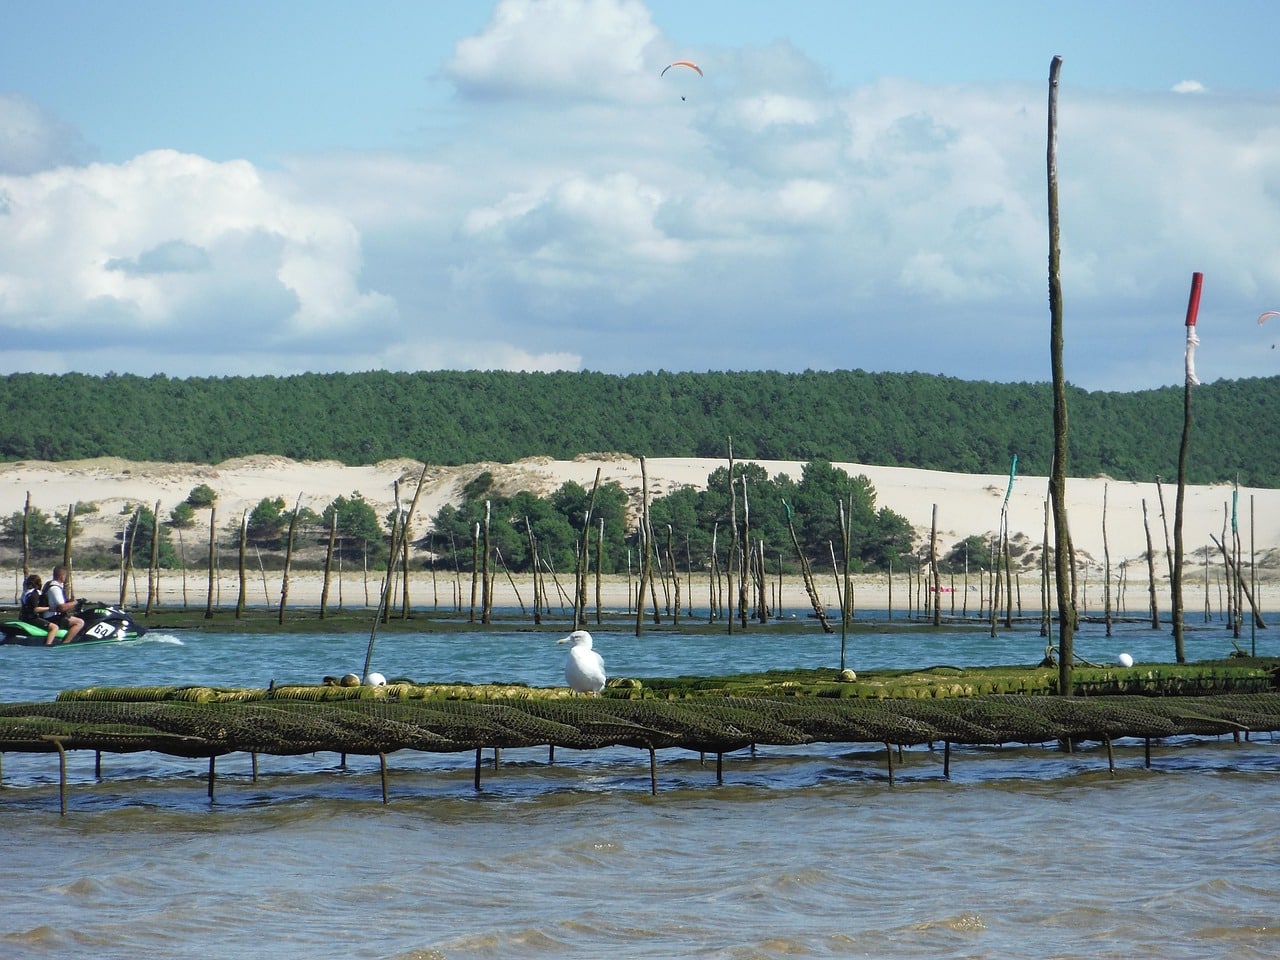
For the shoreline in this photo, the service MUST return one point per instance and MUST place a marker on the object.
(964, 505)
(871, 592)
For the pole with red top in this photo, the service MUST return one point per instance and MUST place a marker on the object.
(1175, 586)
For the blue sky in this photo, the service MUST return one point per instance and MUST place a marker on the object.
(278, 187)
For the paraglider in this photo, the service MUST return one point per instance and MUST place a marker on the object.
(1264, 317)
(681, 63)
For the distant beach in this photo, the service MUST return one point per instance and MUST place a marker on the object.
(966, 504)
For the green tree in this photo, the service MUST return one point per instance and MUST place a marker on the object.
(44, 534)
(357, 526)
(268, 521)
(202, 497)
(182, 515)
(137, 537)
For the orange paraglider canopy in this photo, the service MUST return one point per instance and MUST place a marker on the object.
(682, 63)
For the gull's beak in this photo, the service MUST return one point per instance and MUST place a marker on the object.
(563, 640)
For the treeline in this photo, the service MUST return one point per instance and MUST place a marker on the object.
(446, 417)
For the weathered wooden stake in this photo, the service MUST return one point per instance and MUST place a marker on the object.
(62, 778)
(382, 764)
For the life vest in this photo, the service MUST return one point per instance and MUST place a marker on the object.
(30, 600)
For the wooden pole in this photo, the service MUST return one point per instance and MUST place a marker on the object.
(213, 539)
(328, 564)
(288, 559)
(244, 574)
(1151, 570)
(1193, 308)
(1106, 566)
(933, 568)
(1058, 478)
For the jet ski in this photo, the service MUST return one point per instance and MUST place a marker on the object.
(103, 623)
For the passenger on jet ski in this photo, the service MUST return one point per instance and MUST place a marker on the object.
(60, 606)
(34, 609)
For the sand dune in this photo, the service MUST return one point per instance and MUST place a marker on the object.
(965, 503)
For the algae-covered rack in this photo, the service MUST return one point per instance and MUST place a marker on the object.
(688, 713)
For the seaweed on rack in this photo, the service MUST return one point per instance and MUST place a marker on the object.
(678, 723)
(850, 720)
(1096, 718)
(746, 725)
(591, 726)
(1191, 715)
(504, 725)
(1254, 712)
(948, 718)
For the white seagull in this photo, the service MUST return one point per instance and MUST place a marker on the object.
(584, 670)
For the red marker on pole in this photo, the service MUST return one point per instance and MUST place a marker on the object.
(1193, 310)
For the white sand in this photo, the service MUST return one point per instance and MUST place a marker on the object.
(966, 504)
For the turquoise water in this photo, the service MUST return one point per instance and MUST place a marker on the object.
(1024, 852)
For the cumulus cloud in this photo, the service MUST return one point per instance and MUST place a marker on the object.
(580, 49)
(577, 213)
(168, 242)
(32, 139)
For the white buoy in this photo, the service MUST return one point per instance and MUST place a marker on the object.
(1124, 660)
(375, 680)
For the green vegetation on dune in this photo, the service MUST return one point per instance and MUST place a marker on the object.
(445, 417)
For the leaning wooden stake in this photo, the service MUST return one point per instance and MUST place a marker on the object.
(386, 586)
(288, 559)
(806, 574)
(1233, 574)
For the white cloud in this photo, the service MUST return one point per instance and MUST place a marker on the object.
(167, 241)
(1188, 86)
(33, 139)
(579, 49)
(575, 213)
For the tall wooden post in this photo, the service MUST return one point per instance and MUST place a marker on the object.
(1058, 477)
(1193, 308)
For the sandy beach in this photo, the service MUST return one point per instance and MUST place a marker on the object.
(965, 504)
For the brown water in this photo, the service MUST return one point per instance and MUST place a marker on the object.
(801, 852)
(808, 853)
